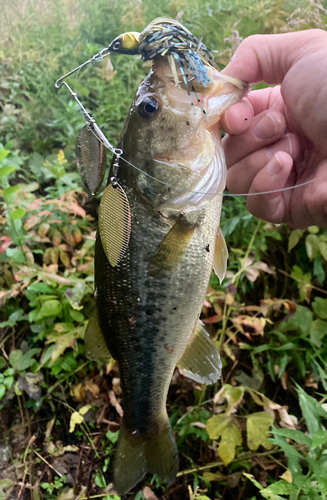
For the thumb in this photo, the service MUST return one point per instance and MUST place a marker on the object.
(268, 58)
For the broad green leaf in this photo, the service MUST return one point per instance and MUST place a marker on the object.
(16, 254)
(293, 434)
(230, 439)
(15, 357)
(313, 229)
(76, 315)
(319, 438)
(285, 446)
(228, 430)
(112, 436)
(5, 483)
(18, 214)
(16, 316)
(233, 395)
(4, 171)
(301, 320)
(8, 382)
(258, 426)
(2, 391)
(278, 488)
(216, 425)
(41, 287)
(63, 341)
(11, 190)
(294, 238)
(3, 154)
(2, 362)
(50, 308)
(323, 249)
(311, 410)
(100, 480)
(25, 362)
(319, 306)
(318, 331)
(312, 245)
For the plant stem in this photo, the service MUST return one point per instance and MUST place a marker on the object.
(218, 464)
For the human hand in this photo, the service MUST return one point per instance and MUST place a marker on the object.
(278, 135)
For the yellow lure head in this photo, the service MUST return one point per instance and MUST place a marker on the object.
(127, 43)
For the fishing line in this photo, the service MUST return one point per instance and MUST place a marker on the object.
(214, 194)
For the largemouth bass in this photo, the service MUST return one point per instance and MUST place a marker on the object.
(150, 289)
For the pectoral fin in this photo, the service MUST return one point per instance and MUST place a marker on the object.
(201, 360)
(114, 223)
(95, 347)
(221, 256)
(171, 250)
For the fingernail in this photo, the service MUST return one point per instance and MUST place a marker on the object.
(274, 166)
(266, 127)
(284, 144)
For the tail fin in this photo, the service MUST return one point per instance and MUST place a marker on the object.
(138, 454)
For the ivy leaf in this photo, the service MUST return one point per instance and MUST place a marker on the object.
(257, 426)
(227, 428)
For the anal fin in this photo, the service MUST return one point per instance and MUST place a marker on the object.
(95, 346)
(220, 256)
(171, 250)
(201, 361)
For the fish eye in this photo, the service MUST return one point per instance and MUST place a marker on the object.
(116, 45)
(149, 107)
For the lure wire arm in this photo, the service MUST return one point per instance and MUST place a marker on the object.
(89, 120)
